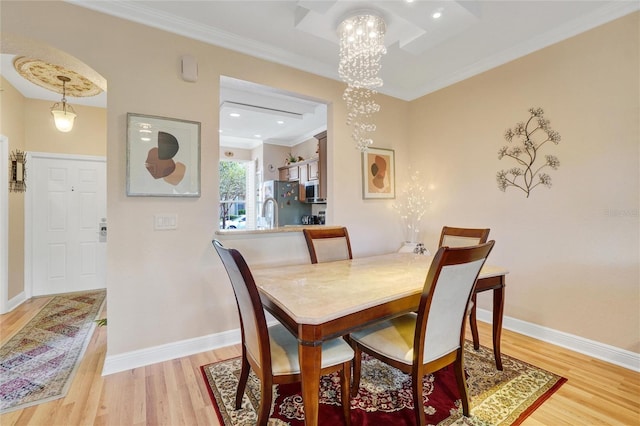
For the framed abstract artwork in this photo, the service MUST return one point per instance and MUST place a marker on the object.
(163, 157)
(378, 173)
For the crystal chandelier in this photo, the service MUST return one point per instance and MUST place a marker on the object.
(361, 48)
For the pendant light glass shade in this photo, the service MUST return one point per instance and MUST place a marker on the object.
(63, 114)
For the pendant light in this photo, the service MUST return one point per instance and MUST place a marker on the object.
(63, 113)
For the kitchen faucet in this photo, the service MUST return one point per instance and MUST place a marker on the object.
(274, 217)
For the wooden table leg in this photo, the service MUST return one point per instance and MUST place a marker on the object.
(498, 311)
(310, 363)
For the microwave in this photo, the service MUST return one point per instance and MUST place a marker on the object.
(312, 192)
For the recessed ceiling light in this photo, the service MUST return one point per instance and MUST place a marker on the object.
(220, 131)
(145, 139)
(437, 14)
(234, 114)
(257, 136)
(280, 122)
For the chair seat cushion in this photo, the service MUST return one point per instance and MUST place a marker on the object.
(394, 339)
(284, 351)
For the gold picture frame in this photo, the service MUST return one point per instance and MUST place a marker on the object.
(378, 174)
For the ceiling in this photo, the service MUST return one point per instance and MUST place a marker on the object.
(423, 54)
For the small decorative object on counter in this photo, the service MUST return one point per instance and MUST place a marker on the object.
(421, 249)
(417, 248)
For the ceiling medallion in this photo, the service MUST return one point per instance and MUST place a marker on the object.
(46, 75)
(361, 49)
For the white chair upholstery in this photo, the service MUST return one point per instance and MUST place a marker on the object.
(459, 241)
(284, 351)
(327, 244)
(331, 249)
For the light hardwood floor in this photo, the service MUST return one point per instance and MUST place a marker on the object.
(173, 393)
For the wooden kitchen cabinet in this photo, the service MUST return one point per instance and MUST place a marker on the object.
(289, 173)
(312, 170)
(303, 171)
(309, 170)
(322, 163)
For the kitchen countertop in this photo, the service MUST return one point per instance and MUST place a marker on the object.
(286, 228)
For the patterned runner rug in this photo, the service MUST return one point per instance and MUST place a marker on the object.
(38, 363)
(497, 397)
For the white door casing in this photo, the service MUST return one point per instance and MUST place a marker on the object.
(66, 203)
(4, 224)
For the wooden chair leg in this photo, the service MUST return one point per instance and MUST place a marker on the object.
(458, 367)
(418, 406)
(345, 384)
(357, 364)
(473, 324)
(242, 382)
(266, 396)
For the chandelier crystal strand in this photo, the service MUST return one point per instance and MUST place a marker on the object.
(361, 49)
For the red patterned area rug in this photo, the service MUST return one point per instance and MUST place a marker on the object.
(38, 363)
(497, 397)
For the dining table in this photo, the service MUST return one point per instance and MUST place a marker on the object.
(323, 301)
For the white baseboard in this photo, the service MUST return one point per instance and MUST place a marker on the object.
(602, 351)
(140, 358)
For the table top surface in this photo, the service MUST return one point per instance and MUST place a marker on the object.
(317, 293)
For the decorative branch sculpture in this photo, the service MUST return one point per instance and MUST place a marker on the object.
(412, 204)
(530, 137)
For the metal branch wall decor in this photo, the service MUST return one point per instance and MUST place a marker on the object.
(527, 139)
(17, 171)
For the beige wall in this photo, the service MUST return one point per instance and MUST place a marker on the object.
(88, 137)
(572, 249)
(165, 287)
(12, 126)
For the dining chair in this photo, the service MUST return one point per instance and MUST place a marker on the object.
(425, 341)
(327, 244)
(272, 351)
(461, 237)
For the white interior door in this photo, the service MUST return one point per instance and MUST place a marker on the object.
(68, 210)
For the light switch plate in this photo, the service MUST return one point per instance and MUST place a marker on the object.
(165, 221)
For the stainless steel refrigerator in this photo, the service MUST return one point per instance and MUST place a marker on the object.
(287, 197)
